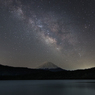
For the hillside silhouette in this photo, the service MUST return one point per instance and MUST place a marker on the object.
(21, 73)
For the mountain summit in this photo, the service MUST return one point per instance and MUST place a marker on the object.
(50, 66)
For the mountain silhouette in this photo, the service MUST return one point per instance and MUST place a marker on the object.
(46, 71)
(49, 66)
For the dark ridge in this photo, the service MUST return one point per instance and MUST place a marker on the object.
(22, 73)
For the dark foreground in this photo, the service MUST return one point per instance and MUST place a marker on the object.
(47, 87)
(17, 73)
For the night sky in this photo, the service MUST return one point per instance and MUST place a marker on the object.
(59, 31)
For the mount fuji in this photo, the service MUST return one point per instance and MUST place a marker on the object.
(49, 66)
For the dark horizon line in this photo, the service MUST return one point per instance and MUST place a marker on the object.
(39, 68)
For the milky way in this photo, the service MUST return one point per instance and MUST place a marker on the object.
(54, 29)
(51, 28)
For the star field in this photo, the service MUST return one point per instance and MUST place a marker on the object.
(59, 31)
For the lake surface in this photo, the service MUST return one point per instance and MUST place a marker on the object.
(47, 87)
